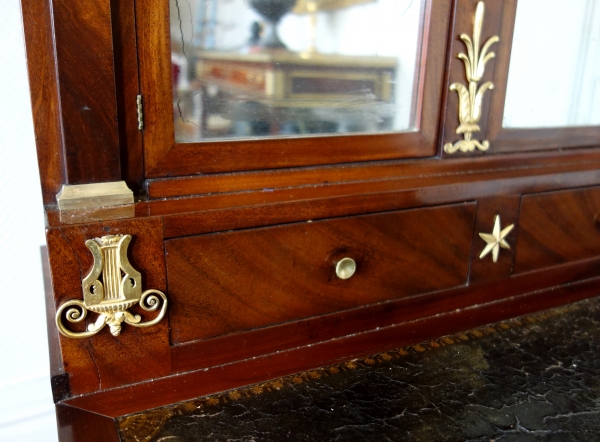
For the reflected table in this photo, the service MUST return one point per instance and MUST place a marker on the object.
(282, 92)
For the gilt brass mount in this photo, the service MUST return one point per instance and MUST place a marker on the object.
(470, 98)
(94, 195)
(495, 240)
(110, 289)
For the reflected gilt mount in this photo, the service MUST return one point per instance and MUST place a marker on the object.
(110, 289)
(471, 97)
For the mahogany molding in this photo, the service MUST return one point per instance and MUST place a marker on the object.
(127, 400)
(353, 199)
(75, 424)
(127, 89)
(164, 157)
(364, 172)
(220, 212)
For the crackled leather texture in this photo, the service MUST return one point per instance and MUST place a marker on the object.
(530, 379)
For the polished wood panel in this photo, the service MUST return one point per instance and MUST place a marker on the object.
(127, 400)
(374, 171)
(56, 365)
(44, 96)
(127, 88)
(154, 52)
(558, 227)
(213, 213)
(520, 140)
(212, 352)
(164, 157)
(75, 424)
(267, 208)
(231, 282)
(83, 43)
(104, 361)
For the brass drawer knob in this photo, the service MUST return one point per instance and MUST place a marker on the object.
(345, 268)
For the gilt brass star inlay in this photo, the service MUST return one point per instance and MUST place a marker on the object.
(495, 240)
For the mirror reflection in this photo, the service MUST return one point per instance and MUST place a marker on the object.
(554, 75)
(264, 68)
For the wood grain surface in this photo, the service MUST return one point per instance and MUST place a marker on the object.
(263, 300)
(83, 42)
(127, 87)
(127, 400)
(219, 212)
(105, 361)
(558, 227)
(374, 171)
(212, 352)
(288, 205)
(231, 282)
(76, 425)
(43, 89)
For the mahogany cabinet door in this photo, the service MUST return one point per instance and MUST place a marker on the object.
(164, 157)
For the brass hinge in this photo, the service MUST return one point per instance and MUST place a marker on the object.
(140, 113)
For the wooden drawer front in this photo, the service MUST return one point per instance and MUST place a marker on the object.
(230, 282)
(557, 227)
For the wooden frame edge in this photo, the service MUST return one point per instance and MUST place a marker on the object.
(164, 157)
(204, 382)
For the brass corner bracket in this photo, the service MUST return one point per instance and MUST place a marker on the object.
(470, 99)
(110, 289)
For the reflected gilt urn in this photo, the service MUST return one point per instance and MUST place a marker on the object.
(272, 11)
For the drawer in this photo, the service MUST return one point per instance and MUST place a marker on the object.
(235, 281)
(557, 227)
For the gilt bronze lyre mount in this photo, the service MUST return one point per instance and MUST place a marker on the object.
(111, 288)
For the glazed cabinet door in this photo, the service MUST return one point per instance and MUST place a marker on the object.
(539, 91)
(234, 86)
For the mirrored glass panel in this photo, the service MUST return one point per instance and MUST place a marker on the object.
(554, 75)
(265, 68)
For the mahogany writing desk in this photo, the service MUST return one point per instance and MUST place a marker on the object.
(182, 268)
